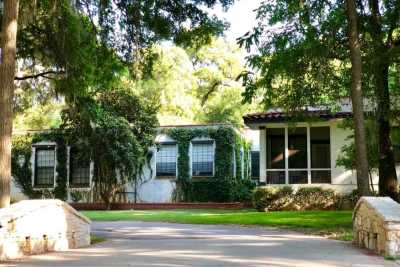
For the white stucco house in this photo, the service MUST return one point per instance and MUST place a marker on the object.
(304, 153)
(158, 179)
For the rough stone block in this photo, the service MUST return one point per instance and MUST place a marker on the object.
(38, 226)
(376, 225)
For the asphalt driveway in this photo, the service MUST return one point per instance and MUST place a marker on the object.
(178, 245)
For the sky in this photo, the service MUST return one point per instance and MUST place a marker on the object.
(241, 17)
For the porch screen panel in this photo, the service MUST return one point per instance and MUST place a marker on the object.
(79, 169)
(166, 160)
(297, 155)
(203, 158)
(44, 166)
(320, 154)
(275, 156)
(276, 148)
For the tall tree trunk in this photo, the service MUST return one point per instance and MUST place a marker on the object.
(388, 185)
(357, 101)
(7, 73)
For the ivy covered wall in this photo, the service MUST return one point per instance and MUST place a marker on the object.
(231, 180)
(22, 169)
(228, 184)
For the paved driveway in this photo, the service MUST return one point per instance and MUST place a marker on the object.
(175, 245)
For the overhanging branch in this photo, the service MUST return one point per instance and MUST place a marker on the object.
(38, 75)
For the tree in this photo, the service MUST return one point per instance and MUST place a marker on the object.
(384, 52)
(7, 72)
(115, 130)
(357, 101)
(197, 85)
(50, 31)
(303, 60)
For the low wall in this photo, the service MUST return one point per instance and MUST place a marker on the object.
(152, 206)
(39, 226)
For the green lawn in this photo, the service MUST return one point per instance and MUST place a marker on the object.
(337, 224)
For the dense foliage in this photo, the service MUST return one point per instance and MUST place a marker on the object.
(302, 59)
(347, 157)
(286, 198)
(115, 133)
(197, 86)
(227, 183)
(22, 169)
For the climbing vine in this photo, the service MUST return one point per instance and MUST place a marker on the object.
(22, 169)
(224, 185)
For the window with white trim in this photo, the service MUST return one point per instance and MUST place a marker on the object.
(166, 160)
(79, 169)
(44, 166)
(202, 158)
(299, 155)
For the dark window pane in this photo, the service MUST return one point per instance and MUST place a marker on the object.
(298, 177)
(320, 147)
(255, 164)
(79, 169)
(44, 167)
(202, 158)
(297, 148)
(321, 177)
(275, 148)
(166, 160)
(275, 177)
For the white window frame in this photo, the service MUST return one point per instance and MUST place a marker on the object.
(176, 160)
(33, 164)
(308, 169)
(91, 171)
(191, 156)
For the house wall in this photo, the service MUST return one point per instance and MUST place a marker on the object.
(343, 181)
(148, 189)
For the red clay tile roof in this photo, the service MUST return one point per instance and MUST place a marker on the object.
(278, 116)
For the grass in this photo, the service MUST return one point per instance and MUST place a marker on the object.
(94, 239)
(336, 224)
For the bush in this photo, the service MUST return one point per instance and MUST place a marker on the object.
(271, 198)
(315, 198)
(227, 189)
(348, 201)
(284, 198)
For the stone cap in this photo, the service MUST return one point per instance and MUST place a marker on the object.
(385, 207)
(25, 207)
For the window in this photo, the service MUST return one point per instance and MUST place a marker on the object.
(299, 155)
(79, 169)
(166, 160)
(275, 156)
(320, 155)
(44, 166)
(255, 164)
(203, 158)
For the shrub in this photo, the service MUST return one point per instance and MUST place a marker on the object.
(315, 198)
(348, 201)
(271, 198)
(284, 198)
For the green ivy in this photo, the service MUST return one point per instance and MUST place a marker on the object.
(223, 186)
(22, 169)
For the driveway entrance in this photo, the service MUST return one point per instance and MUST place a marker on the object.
(177, 245)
